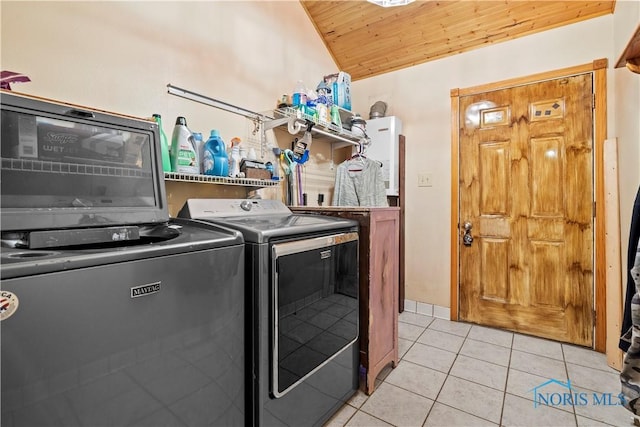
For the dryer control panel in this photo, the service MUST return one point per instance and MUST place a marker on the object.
(225, 208)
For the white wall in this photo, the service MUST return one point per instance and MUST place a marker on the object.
(120, 55)
(420, 96)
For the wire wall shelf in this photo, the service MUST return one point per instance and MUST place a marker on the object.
(209, 179)
(327, 129)
(282, 117)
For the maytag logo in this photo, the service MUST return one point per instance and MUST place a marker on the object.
(144, 290)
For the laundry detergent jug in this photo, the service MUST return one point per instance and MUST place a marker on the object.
(214, 157)
(184, 154)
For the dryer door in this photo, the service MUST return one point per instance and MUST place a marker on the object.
(314, 305)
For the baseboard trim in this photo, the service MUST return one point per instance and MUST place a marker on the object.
(427, 309)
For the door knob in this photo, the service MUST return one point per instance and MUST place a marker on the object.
(467, 238)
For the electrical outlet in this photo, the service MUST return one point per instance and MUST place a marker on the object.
(425, 180)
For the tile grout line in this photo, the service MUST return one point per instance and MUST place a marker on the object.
(434, 400)
(448, 374)
(384, 380)
(506, 381)
(575, 413)
(464, 379)
(566, 371)
(402, 358)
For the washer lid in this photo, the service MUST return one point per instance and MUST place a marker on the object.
(261, 229)
(260, 220)
(178, 236)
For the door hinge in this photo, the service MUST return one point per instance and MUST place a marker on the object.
(594, 317)
(593, 104)
(594, 209)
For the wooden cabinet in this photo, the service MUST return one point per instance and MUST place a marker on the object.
(379, 277)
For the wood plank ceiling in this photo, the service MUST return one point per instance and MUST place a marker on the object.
(366, 40)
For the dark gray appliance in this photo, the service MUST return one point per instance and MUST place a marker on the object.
(111, 314)
(142, 335)
(302, 286)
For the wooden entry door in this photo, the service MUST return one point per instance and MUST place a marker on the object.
(526, 196)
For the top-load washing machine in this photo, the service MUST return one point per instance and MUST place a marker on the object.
(111, 313)
(302, 307)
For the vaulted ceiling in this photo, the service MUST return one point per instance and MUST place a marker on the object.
(366, 40)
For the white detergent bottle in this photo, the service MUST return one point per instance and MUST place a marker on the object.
(234, 158)
(184, 154)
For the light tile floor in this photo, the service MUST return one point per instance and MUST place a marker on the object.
(457, 374)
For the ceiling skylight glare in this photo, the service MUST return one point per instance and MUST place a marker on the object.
(390, 3)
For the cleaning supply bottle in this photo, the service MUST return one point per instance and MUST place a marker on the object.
(198, 143)
(335, 116)
(184, 157)
(299, 97)
(323, 106)
(234, 161)
(164, 144)
(214, 156)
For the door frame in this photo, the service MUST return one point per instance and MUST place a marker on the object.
(598, 68)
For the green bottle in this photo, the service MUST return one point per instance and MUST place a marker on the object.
(335, 116)
(164, 145)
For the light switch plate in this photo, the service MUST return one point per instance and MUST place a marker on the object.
(425, 179)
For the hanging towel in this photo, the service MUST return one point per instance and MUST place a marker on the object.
(634, 237)
(359, 182)
(630, 374)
